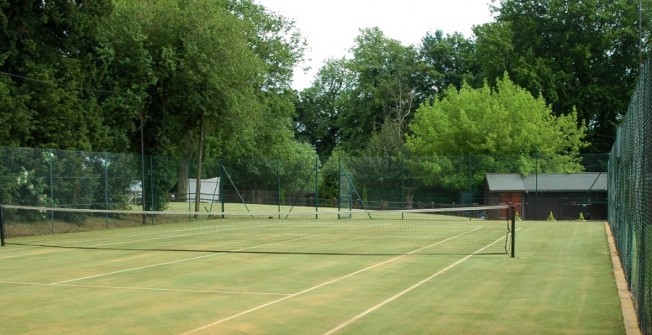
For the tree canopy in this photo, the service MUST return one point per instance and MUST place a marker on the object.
(47, 85)
(93, 75)
(506, 123)
(582, 55)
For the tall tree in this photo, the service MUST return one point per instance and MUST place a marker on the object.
(46, 82)
(319, 105)
(277, 43)
(506, 126)
(207, 77)
(447, 60)
(383, 88)
(577, 54)
(199, 71)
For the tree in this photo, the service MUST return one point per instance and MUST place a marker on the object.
(505, 129)
(198, 74)
(278, 45)
(447, 60)
(265, 136)
(199, 78)
(582, 55)
(274, 39)
(319, 105)
(46, 84)
(383, 88)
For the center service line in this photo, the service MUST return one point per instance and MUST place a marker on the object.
(398, 295)
(234, 316)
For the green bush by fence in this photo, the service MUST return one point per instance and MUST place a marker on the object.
(630, 197)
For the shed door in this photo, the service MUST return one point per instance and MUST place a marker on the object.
(511, 198)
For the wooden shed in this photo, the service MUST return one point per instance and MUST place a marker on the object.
(562, 195)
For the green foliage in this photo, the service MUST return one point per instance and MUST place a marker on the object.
(389, 141)
(505, 129)
(46, 55)
(91, 75)
(318, 106)
(227, 63)
(447, 60)
(330, 177)
(581, 55)
(49, 177)
(383, 88)
(297, 169)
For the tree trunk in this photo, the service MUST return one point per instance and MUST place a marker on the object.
(182, 185)
(184, 167)
(199, 163)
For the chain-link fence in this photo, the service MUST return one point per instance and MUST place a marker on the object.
(630, 197)
(540, 187)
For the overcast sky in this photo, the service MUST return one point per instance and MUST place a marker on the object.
(330, 26)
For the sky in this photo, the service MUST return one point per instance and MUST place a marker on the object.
(331, 26)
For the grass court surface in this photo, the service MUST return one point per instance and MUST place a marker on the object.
(561, 282)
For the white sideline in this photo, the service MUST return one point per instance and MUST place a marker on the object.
(234, 316)
(398, 295)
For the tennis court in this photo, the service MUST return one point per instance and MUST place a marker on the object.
(560, 282)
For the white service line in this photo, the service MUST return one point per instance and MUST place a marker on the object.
(234, 316)
(398, 295)
(36, 253)
(133, 269)
(166, 263)
(137, 288)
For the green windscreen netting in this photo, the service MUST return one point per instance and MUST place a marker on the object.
(630, 201)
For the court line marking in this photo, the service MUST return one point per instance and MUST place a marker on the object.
(138, 288)
(400, 294)
(326, 283)
(164, 263)
(132, 269)
(35, 253)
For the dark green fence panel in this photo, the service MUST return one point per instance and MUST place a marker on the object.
(630, 197)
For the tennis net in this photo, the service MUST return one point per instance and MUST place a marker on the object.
(465, 230)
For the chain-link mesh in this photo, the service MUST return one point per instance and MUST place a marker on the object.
(630, 197)
(88, 180)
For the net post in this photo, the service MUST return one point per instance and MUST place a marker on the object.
(2, 225)
(512, 218)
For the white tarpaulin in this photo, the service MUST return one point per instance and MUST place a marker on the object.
(209, 190)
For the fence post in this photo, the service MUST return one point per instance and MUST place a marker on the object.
(403, 198)
(2, 225)
(51, 158)
(106, 189)
(316, 187)
(512, 218)
(222, 197)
